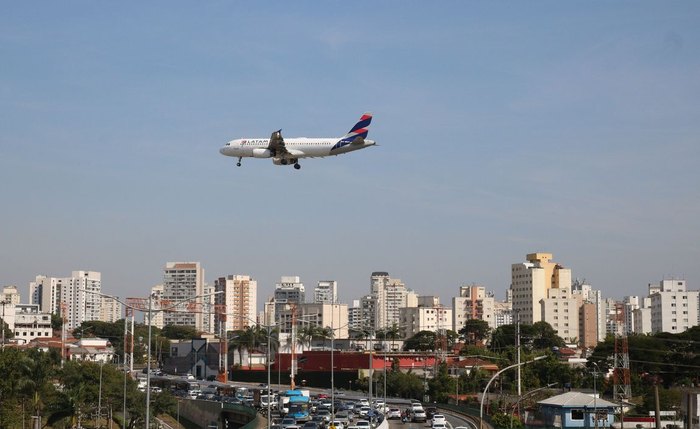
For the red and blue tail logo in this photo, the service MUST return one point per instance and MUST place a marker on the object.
(360, 130)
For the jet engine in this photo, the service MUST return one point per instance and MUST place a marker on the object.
(261, 153)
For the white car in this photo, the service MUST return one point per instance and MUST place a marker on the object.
(363, 424)
(438, 418)
(439, 426)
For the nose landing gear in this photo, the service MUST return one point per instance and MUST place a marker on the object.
(238, 164)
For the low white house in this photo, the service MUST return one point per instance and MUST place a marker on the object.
(91, 349)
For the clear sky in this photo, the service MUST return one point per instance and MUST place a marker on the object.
(504, 127)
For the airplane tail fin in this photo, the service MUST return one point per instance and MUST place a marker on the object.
(360, 130)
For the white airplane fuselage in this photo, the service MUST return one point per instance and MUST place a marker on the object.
(300, 147)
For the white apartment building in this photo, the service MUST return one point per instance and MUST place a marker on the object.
(30, 323)
(502, 313)
(355, 321)
(674, 308)
(75, 298)
(79, 297)
(642, 318)
(561, 310)
(9, 299)
(209, 310)
(390, 296)
(158, 321)
(473, 302)
(110, 310)
(326, 292)
(240, 300)
(433, 318)
(289, 290)
(46, 292)
(530, 282)
(183, 281)
(333, 316)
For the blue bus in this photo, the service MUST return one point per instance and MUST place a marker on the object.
(295, 403)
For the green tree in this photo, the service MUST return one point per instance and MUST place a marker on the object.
(441, 385)
(475, 330)
(545, 337)
(423, 341)
(175, 332)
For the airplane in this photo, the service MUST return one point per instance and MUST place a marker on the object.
(289, 151)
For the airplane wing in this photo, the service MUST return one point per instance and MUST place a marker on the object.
(277, 146)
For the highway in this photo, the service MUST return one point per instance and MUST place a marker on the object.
(453, 421)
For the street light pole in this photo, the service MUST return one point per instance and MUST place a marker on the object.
(595, 397)
(148, 364)
(486, 389)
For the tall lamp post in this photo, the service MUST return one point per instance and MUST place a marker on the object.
(2, 327)
(486, 389)
(595, 396)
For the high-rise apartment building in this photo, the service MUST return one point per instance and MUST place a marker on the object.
(390, 297)
(595, 297)
(209, 310)
(46, 293)
(76, 298)
(588, 325)
(288, 291)
(674, 308)
(158, 321)
(80, 297)
(110, 310)
(183, 282)
(355, 321)
(473, 302)
(326, 292)
(239, 299)
(561, 310)
(530, 282)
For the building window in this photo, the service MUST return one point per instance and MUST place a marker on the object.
(577, 414)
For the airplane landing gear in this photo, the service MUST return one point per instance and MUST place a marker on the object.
(238, 164)
(297, 166)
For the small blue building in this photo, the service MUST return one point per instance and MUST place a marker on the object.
(577, 410)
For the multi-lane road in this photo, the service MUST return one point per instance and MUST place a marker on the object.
(453, 421)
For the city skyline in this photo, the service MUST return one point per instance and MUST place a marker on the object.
(503, 129)
(263, 297)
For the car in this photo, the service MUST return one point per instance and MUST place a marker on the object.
(364, 410)
(326, 414)
(189, 376)
(393, 413)
(363, 402)
(343, 417)
(430, 411)
(311, 425)
(363, 424)
(336, 424)
(418, 416)
(437, 418)
(460, 427)
(439, 426)
(288, 421)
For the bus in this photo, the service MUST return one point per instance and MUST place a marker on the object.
(295, 403)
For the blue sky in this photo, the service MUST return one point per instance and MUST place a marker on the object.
(504, 128)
